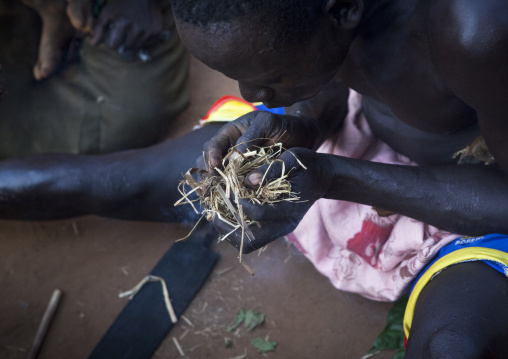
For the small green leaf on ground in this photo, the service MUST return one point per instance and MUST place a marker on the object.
(392, 336)
(252, 320)
(228, 342)
(240, 317)
(263, 345)
(400, 354)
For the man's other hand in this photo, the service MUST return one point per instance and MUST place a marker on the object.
(259, 128)
(277, 220)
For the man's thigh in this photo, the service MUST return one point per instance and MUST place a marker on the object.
(461, 313)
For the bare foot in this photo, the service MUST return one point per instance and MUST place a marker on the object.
(57, 32)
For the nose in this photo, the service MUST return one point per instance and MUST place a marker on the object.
(256, 94)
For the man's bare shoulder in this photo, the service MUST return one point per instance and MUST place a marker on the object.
(469, 45)
(468, 27)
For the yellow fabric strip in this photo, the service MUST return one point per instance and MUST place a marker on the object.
(229, 111)
(460, 255)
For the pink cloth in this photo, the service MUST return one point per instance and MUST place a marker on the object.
(359, 251)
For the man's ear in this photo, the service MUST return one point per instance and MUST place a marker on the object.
(347, 13)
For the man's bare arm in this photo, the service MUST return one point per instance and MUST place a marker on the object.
(466, 199)
(471, 58)
(135, 185)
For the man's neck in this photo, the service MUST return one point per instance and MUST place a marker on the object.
(379, 14)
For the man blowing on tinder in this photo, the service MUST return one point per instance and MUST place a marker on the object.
(423, 141)
(406, 101)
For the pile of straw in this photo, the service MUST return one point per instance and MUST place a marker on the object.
(215, 192)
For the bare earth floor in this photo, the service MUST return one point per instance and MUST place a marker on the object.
(93, 259)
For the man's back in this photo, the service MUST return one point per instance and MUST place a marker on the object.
(406, 70)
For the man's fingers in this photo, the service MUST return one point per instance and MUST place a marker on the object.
(143, 40)
(213, 159)
(132, 38)
(278, 212)
(252, 141)
(219, 145)
(262, 236)
(257, 134)
(265, 174)
(100, 30)
(225, 229)
(268, 172)
(80, 15)
(256, 178)
(117, 32)
(76, 15)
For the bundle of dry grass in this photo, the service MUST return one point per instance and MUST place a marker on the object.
(214, 192)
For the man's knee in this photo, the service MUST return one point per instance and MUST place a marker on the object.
(461, 313)
(447, 343)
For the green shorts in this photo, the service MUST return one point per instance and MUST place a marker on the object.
(100, 103)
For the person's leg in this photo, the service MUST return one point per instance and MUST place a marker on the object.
(102, 103)
(135, 100)
(461, 313)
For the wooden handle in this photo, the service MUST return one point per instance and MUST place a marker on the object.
(45, 323)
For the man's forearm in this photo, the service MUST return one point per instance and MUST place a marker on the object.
(466, 199)
(134, 185)
(43, 187)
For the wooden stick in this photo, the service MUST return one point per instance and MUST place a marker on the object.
(45, 323)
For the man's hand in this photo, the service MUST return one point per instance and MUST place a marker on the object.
(259, 128)
(133, 24)
(282, 218)
(80, 13)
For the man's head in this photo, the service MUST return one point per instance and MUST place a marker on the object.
(280, 51)
(291, 20)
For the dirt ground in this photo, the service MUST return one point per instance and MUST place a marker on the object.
(93, 259)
